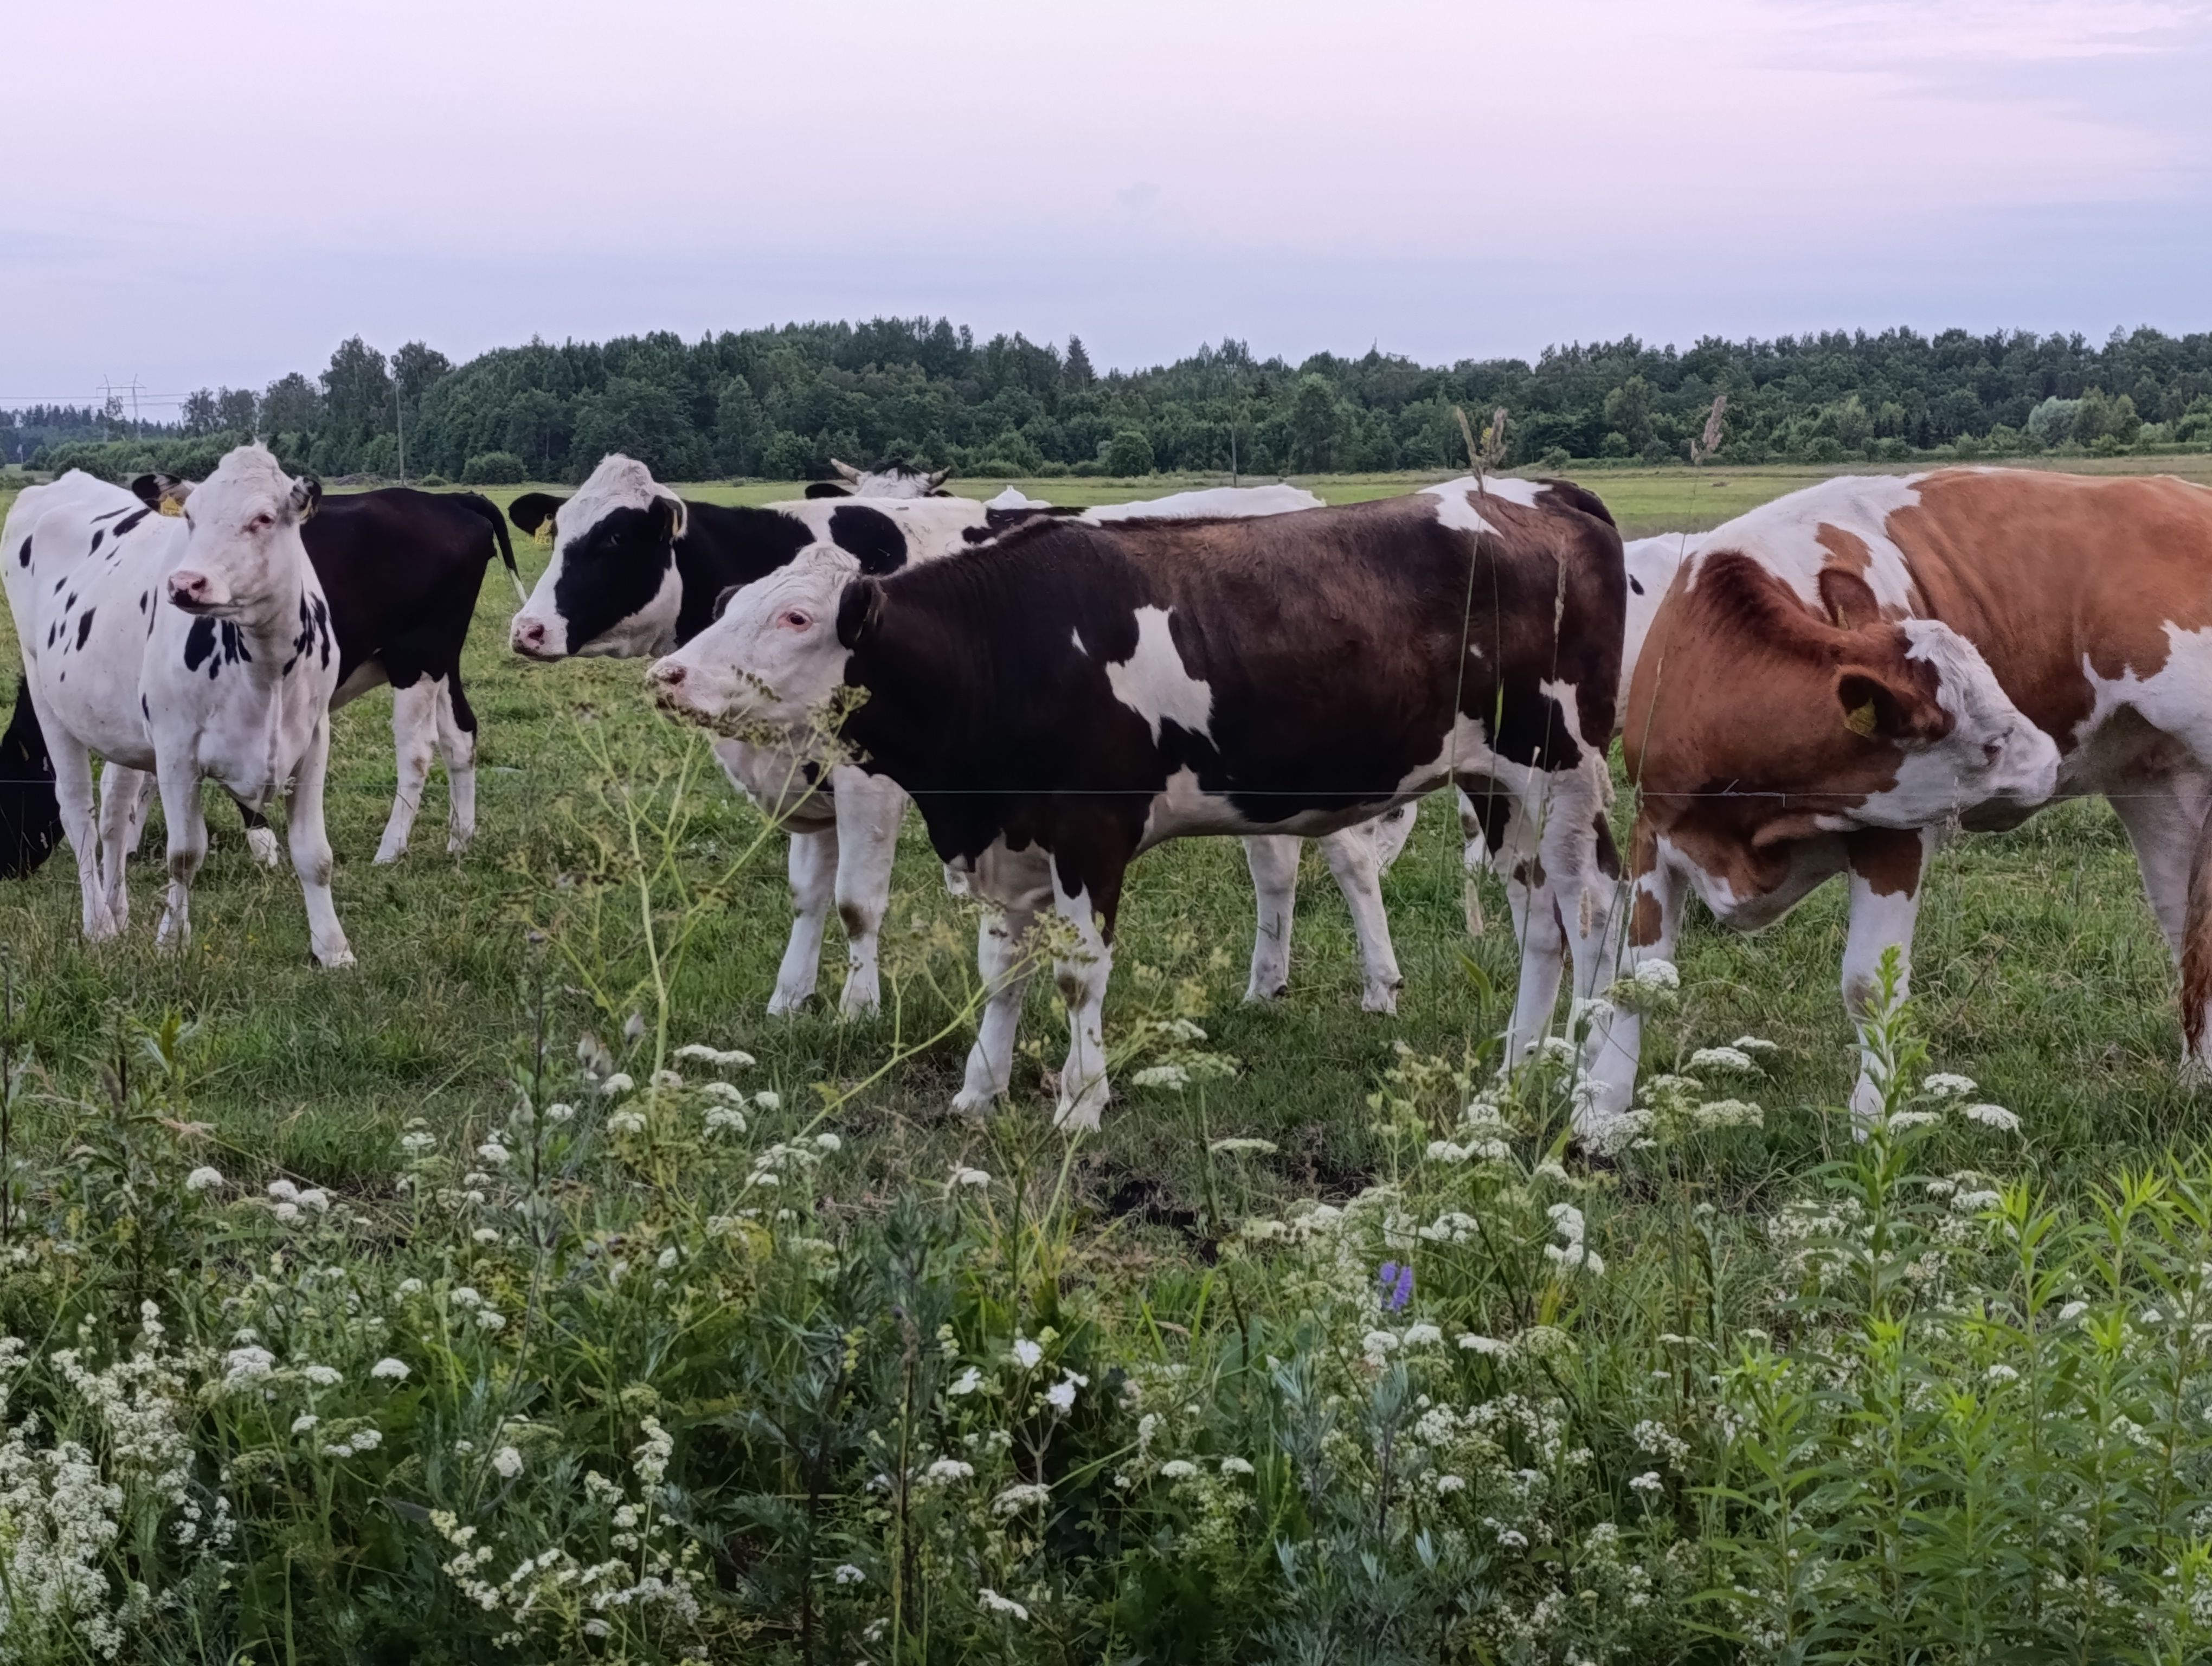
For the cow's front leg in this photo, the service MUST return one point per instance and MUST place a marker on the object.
(1082, 978)
(1517, 859)
(123, 793)
(1273, 859)
(813, 870)
(1888, 866)
(73, 794)
(869, 811)
(180, 782)
(1582, 867)
(311, 850)
(1013, 887)
(413, 742)
(1357, 858)
(1657, 887)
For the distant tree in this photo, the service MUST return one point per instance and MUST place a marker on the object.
(1075, 370)
(639, 419)
(356, 401)
(1129, 453)
(1315, 423)
(290, 404)
(234, 409)
(494, 468)
(200, 414)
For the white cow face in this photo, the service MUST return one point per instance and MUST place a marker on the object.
(1992, 755)
(772, 656)
(243, 547)
(612, 588)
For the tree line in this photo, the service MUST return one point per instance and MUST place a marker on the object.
(778, 403)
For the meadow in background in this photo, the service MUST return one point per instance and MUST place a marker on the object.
(1762, 1394)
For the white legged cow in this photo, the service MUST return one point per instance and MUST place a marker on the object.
(196, 647)
(637, 570)
(1066, 696)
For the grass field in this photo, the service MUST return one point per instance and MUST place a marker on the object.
(2037, 972)
(2039, 969)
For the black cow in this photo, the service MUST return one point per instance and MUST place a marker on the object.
(401, 569)
(1062, 698)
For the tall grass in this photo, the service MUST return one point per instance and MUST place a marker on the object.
(629, 1371)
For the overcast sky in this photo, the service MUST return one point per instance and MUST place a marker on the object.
(219, 191)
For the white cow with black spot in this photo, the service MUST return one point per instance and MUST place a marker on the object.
(195, 647)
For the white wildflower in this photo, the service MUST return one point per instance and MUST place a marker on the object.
(1657, 975)
(725, 1118)
(202, 1180)
(389, 1370)
(1447, 1484)
(620, 1082)
(323, 1377)
(1488, 1346)
(304, 1422)
(1239, 1145)
(966, 1383)
(560, 1113)
(766, 1100)
(666, 1080)
(998, 1604)
(844, 1572)
(1234, 1466)
(1021, 1496)
(964, 1176)
(507, 1461)
(626, 1121)
(1993, 1116)
(1026, 1353)
(1173, 1077)
(417, 1143)
(730, 1058)
(944, 1471)
(1061, 1396)
(1945, 1084)
(1648, 1482)
(1422, 1336)
(829, 1142)
(1722, 1058)
(2071, 1311)
(1177, 1469)
(494, 1153)
(2001, 1374)
(1754, 1044)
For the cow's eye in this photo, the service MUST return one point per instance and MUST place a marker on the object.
(261, 523)
(794, 620)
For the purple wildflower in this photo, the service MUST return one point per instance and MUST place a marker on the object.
(1396, 1283)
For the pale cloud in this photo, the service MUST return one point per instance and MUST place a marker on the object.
(1449, 178)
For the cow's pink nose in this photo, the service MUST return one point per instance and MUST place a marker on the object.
(529, 635)
(668, 674)
(188, 588)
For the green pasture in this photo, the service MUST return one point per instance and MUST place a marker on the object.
(2041, 972)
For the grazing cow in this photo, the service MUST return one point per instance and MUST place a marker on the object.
(897, 481)
(1066, 696)
(1538, 925)
(638, 571)
(201, 645)
(1836, 679)
(401, 569)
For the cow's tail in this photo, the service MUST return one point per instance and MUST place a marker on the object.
(30, 814)
(490, 511)
(2197, 961)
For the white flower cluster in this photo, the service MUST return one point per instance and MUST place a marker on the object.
(1570, 1252)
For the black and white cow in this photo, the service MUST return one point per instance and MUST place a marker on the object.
(192, 647)
(1066, 696)
(401, 569)
(637, 570)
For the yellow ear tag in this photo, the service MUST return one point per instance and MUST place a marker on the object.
(1860, 720)
(172, 507)
(543, 538)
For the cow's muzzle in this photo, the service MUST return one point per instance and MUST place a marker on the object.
(527, 637)
(195, 591)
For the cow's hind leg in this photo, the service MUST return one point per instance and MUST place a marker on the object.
(1273, 859)
(456, 744)
(1358, 857)
(187, 847)
(311, 851)
(1656, 888)
(123, 793)
(869, 811)
(1887, 867)
(1013, 886)
(414, 741)
(73, 793)
(2196, 959)
(813, 870)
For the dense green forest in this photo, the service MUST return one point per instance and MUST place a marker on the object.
(778, 403)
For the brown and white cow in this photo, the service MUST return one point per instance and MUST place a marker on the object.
(1068, 696)
(2056, 641)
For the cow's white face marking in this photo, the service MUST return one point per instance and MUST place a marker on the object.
(774, 656)
(244, 538)
(618, 483)
(1153, 683)
(1993, 753)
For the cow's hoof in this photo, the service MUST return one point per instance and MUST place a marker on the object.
(973, 1105)
(860, 1001)
(2195, 1073)
(1256, 996)
(262, 842)
(1083, 1110)
(386, 858)
(337, 959)
(781, 1006)
(1381, 998)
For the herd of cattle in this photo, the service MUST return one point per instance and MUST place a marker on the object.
(1827, 684)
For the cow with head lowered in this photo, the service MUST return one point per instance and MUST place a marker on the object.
(1837, 679)
(638, 571)
(194, 647)
(1062, 698)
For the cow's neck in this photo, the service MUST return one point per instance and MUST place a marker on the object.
(273, 630)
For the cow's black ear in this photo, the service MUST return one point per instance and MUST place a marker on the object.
(860, 611)
(153, 489)
(722, 601)
(307, 497)
(826, 488)
(534, 509)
